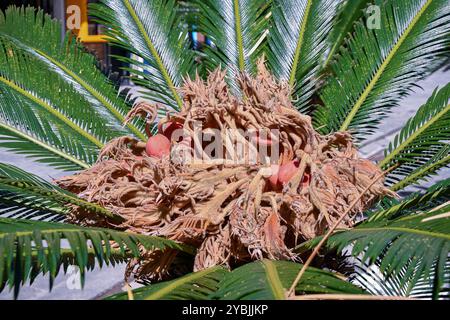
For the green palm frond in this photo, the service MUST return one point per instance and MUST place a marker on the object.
(369, 277)
(270, 279)
(436, 195)
(349, 12)
(26, 196)
(67, 259)
(416, 245)
(152, 31)
(51, 111)
(23, 76)
(378, 67)
(298, 41)
(36, 144)
(38, 35)
(194, 286)
(21, 241)
(439, 160)
(260, 280)
(421, 148)
(238, 29)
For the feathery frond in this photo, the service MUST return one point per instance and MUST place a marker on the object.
(437, 195)
(349, 11)
(422, 147)
(38, 35)
(194, 286)
(369, 277)
(238, 29)
(55, 117)
(378, 67)
(298, 42)
(151, 30)
(268, 279)
(416, 245)
(26, 196)
(36, 143)
(258, 280)
(22, 240)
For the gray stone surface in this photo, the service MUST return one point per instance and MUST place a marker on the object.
(109, 280)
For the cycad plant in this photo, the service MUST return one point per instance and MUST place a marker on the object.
(320, 223)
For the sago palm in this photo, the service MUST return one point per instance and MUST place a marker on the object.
(319, 223)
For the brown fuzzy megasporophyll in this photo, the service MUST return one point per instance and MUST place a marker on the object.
(231, 211)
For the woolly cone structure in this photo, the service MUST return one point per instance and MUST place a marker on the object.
(232, 212)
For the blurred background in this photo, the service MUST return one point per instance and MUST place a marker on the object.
(100, 283)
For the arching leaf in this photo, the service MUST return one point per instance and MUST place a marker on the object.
(152, 31)
(298, 42)
(437, 195)
(374, 281)
(349, 12)
(416, 245)
(26, 244)
(379, 66)
(194, 286)
(238, 29)
(421, 148)
(38, 35)
(269, 279)
(26, 196)
(51, 112)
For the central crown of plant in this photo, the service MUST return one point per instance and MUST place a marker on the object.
(231, 211)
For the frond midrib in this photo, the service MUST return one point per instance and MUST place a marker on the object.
(273, 280)
(345, 125)
(45, 231)
(300, 42)
(83, 83)
(66, 198)
(92, 91)
(70, 229)
(239, 37)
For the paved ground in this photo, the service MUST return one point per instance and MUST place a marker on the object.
(109, 280)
